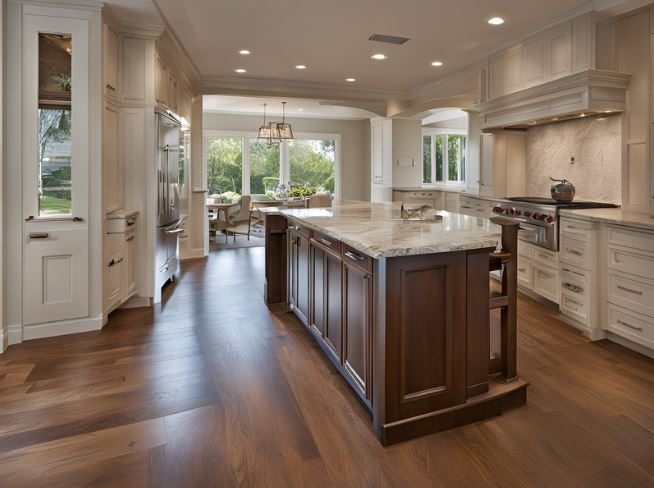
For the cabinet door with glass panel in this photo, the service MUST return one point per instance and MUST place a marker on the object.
(56, 156)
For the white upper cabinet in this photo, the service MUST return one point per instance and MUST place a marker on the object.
(110, 61)
(576, 45)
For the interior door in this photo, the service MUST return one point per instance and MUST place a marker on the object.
(56, 156)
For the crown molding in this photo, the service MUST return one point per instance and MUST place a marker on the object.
(146, 28)
(261, 86)
(170, 49)
(94, 5)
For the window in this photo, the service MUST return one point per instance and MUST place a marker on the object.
(54, 125)
(312, 163)
(224, 164)
(264, 167)
(444, 158)
(238, 162)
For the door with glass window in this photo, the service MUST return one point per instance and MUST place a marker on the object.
(55, 168)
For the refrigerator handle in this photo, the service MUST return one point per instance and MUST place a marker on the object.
(166, 186)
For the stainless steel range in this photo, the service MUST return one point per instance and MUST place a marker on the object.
(539, 217)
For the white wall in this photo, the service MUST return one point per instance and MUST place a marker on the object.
(355, 144)
(407, 144)
(460, 123)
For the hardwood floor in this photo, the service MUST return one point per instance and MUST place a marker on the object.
(210, 389)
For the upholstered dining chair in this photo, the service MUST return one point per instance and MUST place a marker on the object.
(241, 217)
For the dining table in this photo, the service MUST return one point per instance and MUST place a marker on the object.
(222, 207)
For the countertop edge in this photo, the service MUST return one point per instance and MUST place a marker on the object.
(623, 219)
(397, 252)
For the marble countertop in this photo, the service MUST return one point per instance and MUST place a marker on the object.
(377, 230)
(611, 216)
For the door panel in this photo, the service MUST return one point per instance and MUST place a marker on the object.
(55, 276)
(357, 328)
(333, 288)
(317, 315)
(303, 278)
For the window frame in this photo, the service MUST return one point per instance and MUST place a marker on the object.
(433, 133)
(284, 161)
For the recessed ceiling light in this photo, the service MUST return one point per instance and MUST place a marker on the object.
(300, 110)
(379, 57)
(496, 21)
(300, 66)
(350, 80)
(244, 52)
(437, 63)
(241, 70)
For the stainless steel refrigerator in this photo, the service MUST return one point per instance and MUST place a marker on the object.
(168, 217)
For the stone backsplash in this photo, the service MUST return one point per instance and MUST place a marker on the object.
(594, 142)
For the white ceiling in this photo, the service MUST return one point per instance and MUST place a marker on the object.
(331, 38)
(294, 107)
(133, 11)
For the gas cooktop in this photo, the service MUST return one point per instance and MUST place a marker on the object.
(554, 203)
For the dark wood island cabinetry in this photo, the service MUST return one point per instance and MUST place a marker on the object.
(406, 326)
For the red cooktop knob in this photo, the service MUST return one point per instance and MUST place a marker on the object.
(549, 219)
(528, 214)
(497, 209)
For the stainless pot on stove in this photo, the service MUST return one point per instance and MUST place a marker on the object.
(562, 190)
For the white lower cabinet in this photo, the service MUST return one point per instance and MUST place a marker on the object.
(630, 284)
(120, 255)
(545, 281)
(579, 274)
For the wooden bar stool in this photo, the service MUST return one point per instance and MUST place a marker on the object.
(506, 300)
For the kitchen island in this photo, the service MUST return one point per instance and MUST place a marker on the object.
(401, 308)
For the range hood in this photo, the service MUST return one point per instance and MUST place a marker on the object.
(579, 95)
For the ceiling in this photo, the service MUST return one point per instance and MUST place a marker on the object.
(331, 38)
(134, 11)
(294, 107)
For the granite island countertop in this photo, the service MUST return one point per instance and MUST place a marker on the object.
(377, 230)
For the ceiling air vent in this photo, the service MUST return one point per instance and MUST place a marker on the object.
(388, 39)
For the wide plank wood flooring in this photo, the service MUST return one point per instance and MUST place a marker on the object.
(209, 389)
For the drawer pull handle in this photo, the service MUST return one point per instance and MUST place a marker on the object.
(573, 251)
(131, 222)
(115, 261)
(38, 235)
(108, 85)
(546, 275)
(325, 241)
(464, 206)
(629, 325)
(635, 292)
(130, 238)
(522, 270)
(571, 287)
(354, 256)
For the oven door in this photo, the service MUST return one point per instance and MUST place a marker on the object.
(543, 236)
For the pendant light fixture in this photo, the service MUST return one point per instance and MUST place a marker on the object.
(268, 132)
(285, 130)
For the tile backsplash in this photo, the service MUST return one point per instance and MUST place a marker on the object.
(595, 143)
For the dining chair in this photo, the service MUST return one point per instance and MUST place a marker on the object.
(320, 200)
(241, 217)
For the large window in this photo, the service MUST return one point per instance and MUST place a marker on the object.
(312, 163)
(224, 164)
(264, 167)
(238, 162)
(444, 158)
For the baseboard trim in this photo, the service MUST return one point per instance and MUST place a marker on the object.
(196, 253)
(137, 302)
(4, 340)
(634, 346)
(14, 334)
(65, 327)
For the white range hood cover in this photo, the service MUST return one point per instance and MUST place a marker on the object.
(585, 93)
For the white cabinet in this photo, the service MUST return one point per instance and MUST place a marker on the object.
(475, 207)
(120, 259)
(452, 202)
(580, 44)
(538, 271)
(112, 181)
(578, 251)
(161, 82)
(630, 284)
(172, 91)
(110, 61)
(545, 281)
(503, 164)
(134, 70)
(381, 159)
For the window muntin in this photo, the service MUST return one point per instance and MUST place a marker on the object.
(447, 156)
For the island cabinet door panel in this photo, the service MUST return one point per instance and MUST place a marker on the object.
(299, 275)
(317, 279)
(356, 327)
(425, 337)
(333, 300)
